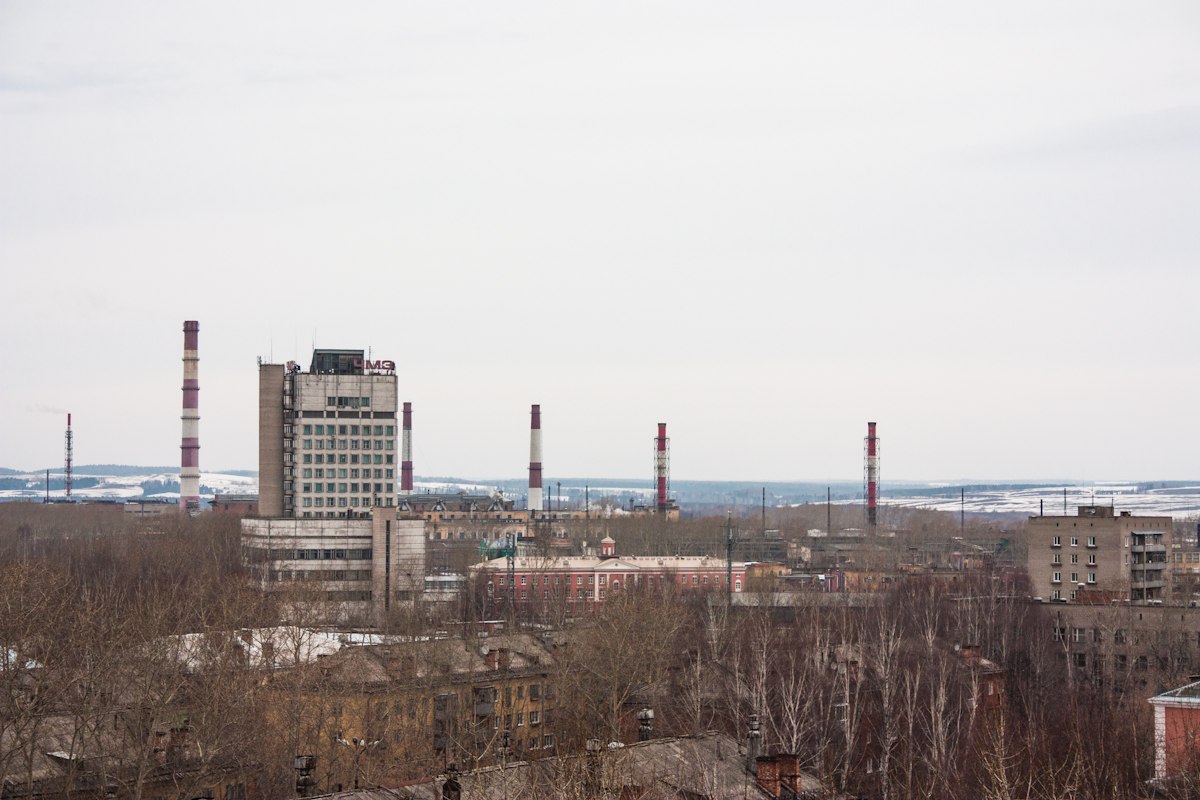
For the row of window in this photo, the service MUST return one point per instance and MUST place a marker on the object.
(343, 502)
(341, 413)
(1122, 636)
(348, 402)
(1057, 577)
(1057, 541)
(327, 488)
(341, 473)
(330, 554)
(342, 459)
(347, 444)
(1057, 559)
(320, 575)
(261, 555)
(352, 430)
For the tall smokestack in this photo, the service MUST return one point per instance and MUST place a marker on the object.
(662, 464)
(68, 458)
(406, 478)
(535, 459)
(872, 476)
(189, 460)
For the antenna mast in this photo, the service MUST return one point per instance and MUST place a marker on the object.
(68, 458)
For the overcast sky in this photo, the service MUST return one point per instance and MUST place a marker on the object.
(763, 223)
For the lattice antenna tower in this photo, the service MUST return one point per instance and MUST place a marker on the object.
(68, 457)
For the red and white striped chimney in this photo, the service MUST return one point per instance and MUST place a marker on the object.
(535, 459)
(406, 476)
(662, 465)
(189, 472)
(872, 476)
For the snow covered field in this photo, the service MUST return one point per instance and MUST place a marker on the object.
(125, 487)
(1175, 501)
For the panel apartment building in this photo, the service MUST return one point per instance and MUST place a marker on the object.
(1099, 556)
(328, 526)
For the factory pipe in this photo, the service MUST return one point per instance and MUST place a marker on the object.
(189, 462)
(872, 476)
(406, 472)
(661, 466)
(535, 459)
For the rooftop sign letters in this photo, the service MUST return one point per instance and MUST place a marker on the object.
(366, 364)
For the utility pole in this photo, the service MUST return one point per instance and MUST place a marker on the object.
(962, 510)
(510, 552)
(729, 559)
(828, 511)
(764, 512)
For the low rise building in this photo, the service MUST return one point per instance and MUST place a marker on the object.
(390, 713)
(460, 516)
(1128, 647)
(1176, 732)
(581, 584)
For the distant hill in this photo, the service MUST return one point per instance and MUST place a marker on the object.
(127, 470)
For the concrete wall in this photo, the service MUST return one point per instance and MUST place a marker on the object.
(270, 440)
(398, 564)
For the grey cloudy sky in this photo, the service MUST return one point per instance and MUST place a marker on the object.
(763, 223)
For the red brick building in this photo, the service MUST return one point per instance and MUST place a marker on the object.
(1176, 731)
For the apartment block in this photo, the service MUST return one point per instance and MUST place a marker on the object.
(1099, 555)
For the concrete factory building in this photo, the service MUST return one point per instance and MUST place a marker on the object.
(329, 531)
(1099, 556)
(350, 569)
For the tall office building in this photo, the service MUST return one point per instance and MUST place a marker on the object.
(328, 523)
(328, 436)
